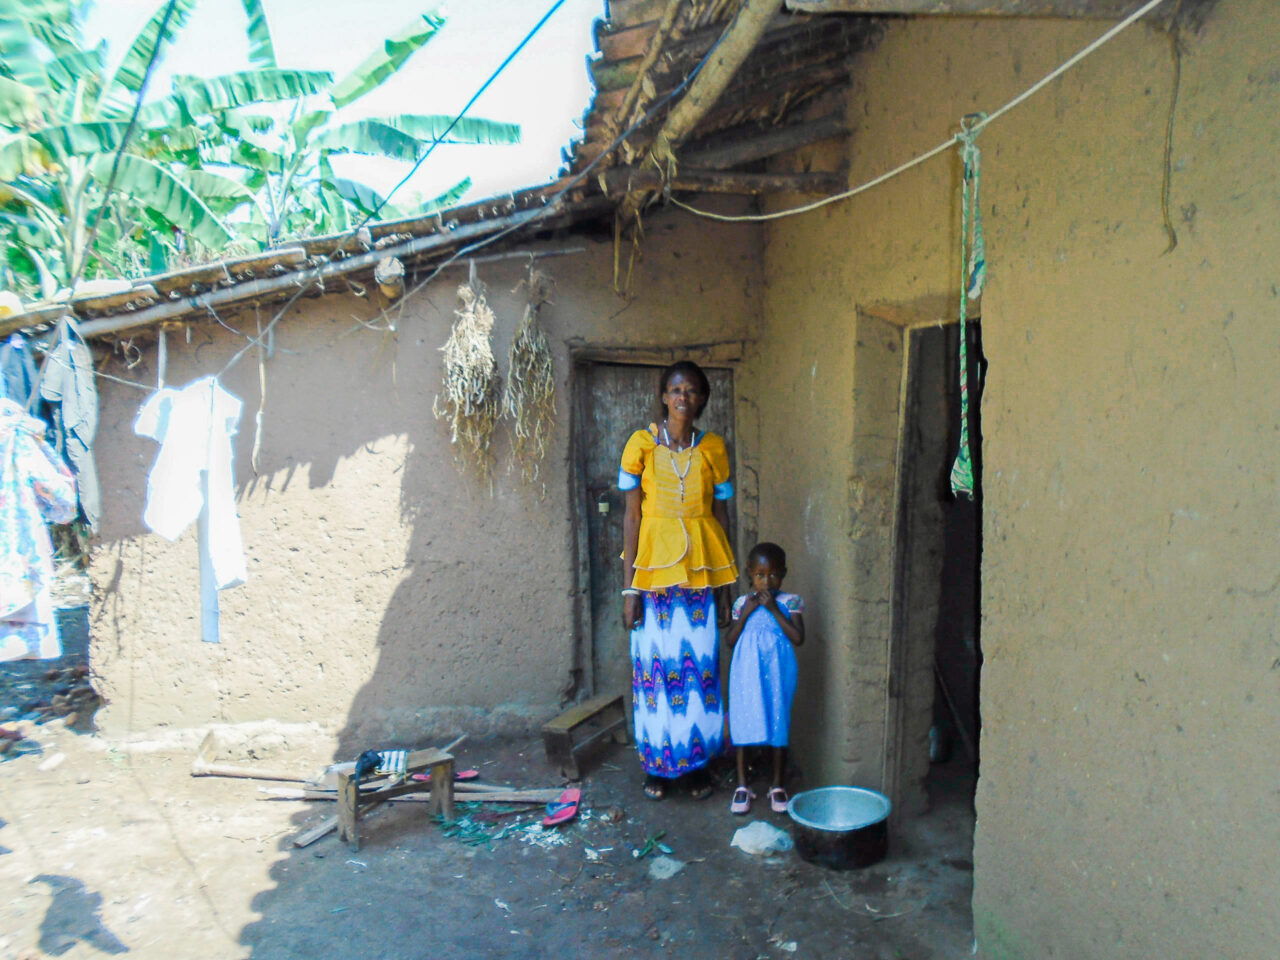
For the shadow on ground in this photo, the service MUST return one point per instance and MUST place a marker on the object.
(411, 892)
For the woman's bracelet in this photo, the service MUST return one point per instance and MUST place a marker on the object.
(631, 592)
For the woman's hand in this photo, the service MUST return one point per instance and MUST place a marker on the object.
(724, 605)
(632, 611)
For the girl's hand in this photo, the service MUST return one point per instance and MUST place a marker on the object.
(766, 599)
(632, 612)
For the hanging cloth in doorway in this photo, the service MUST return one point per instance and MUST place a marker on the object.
(973, 274)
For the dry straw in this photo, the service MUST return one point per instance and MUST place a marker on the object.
(530, 397)
(470, 400)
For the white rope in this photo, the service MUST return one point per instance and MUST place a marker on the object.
(940, 148)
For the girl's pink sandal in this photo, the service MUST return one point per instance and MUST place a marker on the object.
(778, 800)
(742, 798)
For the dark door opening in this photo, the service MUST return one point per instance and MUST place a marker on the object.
(937, 595)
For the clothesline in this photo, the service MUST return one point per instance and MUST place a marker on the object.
(940, 148)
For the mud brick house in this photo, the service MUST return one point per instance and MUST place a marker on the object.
(1114, 591)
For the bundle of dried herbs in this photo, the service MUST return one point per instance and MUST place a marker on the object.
(471, 400)
(530, 396)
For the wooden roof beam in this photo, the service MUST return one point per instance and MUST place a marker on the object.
(622, 180)
(1096, 9)
(739, 39)
(780, 140)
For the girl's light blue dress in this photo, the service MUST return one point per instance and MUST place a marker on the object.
(762, 676)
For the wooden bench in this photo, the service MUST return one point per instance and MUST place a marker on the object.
(356, 798)
(581, 728)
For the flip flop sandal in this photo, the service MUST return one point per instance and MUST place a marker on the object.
(564, 809)
(654, 788)
(699, 785)
(778, 800)
(742, 798)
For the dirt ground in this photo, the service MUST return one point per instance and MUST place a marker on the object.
(108, 851)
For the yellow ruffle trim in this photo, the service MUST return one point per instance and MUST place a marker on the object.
(691, 553)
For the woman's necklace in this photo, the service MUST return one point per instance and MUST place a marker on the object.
(675, 466)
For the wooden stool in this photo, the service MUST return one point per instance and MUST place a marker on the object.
(580, 728)
(355, 798)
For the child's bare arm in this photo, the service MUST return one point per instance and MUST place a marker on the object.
(735, 626)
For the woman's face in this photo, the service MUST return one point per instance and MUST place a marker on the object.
(683, 396)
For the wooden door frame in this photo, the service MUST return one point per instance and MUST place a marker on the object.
(581, 356)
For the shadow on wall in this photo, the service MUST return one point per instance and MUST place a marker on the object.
(356, 524)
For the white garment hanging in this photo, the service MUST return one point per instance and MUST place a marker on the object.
(193, 476)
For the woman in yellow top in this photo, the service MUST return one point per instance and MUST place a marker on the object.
(675, 555)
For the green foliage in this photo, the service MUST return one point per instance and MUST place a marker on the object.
(241, 159)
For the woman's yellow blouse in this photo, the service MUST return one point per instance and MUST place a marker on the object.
(681, 543)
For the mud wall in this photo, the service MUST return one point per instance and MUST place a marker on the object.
(1126, 801)
(390, 595)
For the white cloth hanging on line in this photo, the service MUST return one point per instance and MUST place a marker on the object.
(193, 479)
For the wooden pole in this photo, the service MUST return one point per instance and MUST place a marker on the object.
(622, 180)
(1096, 9)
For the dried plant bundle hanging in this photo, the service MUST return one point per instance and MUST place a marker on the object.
(470, 400)
(530, 397)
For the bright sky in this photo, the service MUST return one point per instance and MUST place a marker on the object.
(545, 89)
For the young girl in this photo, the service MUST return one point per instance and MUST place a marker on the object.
(767, 623)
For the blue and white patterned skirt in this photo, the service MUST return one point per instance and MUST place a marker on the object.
(675, 682)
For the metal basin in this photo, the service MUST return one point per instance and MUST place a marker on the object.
(840, 827)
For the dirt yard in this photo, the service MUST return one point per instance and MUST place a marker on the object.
(107, 851)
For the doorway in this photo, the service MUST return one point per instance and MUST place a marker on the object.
(612, 399)
(937, 648)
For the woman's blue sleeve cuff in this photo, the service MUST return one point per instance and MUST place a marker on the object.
(628, 481)
(724, 491)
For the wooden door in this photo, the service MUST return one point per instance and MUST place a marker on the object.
(612, 400)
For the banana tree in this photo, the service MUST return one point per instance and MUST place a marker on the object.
(242, 159)
(288, 154)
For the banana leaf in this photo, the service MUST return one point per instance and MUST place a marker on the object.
(467, 130)
(160, 191)
(19, 103)
(262, 52)
(81, 139)
(211, 186)
(381, 64)
(20, 62)
(199, 95)
(367, 137)
(54, 26)
(365, 199)
(303, 126)
(448, 198)
(36, 10)
(65, 70)
(134, 66)
(337, 217)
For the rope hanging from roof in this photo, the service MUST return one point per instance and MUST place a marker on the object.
(973, 274)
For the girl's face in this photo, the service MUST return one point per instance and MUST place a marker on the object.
(764, 575)
(683, 396)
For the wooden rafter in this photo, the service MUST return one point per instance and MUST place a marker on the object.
(1097, 9)
(620, 181)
